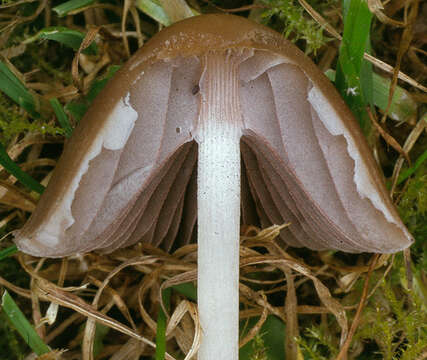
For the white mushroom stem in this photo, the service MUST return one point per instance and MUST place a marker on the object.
(218, 198)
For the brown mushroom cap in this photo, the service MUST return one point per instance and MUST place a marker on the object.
(128, 172)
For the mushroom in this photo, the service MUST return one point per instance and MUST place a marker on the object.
(161, 148)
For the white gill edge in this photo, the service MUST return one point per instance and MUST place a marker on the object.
(365, 185)
(112, 136)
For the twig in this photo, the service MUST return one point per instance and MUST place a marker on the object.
(403, 48)
(390, 140)
(343, 352)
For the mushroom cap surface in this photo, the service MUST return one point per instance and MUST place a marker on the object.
(129, 171)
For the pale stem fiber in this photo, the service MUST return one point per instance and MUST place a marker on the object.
(218, 197)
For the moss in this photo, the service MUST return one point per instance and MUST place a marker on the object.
(394, 323)
(318, 344)
(295, 23)
(10, 341)
(259, 350)
(14, 122)
(413, 210)
(399, 326)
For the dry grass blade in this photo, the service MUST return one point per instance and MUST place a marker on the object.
(188, 276)
(16, 289)
(53, 355)
(149, 281)
(291, 314)
(239, 9)
(423, 356)
(413, 54)
(344, 347)
(14, 197)
(258, 298)
(324, 294)
(183, 308)
(256, 328)
(16, 149)
(19, 20)
(126, 8)
(360, 268)
(405, 41)
(407, 147)
(117, 299)
(256, 281)
(13, 51)
(96, 68)
(267, 234)
(15, 3)
(52, 310)
(376, 7)
(320, 20)
(88, 339)
(140, 36)
(52, 293)
(389, 69)
(90, 329)
(185, 277)
(176, 9)
(35, 304)
(408, 268)
(8, 218)
(29, 165)
(130, 351)
(116, 9)
(387, 137)
(90, 36)
(307, 309)
(76, 317)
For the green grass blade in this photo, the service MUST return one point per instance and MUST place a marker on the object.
(402, 107)
(22, 325)
(153, 10)
(78, 108)
(15, 89)
(16, 171)
(186, 289)
(269, 344)
(65, 36)
(367, 77)
(68, 6)
(161, 326)
(354, 74)
(408, 172)
(98, 343)
(99, 84)
(177, 10)
(61, 116)
(8, 252)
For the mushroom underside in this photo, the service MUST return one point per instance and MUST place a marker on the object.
(165, 214)
(294, 169)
